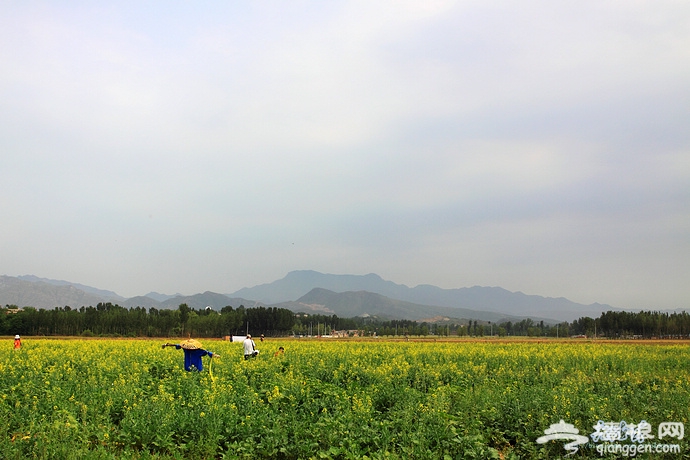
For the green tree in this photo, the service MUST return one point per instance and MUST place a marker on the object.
(184, 315)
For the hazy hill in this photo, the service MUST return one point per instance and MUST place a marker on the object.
(362, 303)
(197, 301)
(140, 301)
(44, 293)
(39, 294)
(207, 299)
(512, 303)
(299, 283)
(161, 297)
(401, 300)
(107, 296)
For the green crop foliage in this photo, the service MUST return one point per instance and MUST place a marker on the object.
(324, 399)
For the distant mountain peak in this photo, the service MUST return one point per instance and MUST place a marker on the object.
(336, 294)
(481, 298)
(102, 293)
(161, 297)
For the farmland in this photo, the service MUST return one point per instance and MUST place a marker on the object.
(78, 398)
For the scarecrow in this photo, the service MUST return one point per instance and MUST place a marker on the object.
(192, 354)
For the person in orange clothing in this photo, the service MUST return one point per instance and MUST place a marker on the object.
(17, 342)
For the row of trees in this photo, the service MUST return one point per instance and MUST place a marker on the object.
(644, 324)
(108, 319)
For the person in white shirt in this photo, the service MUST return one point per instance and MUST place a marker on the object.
(249, 347)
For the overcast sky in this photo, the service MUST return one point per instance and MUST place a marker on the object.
(538, 146)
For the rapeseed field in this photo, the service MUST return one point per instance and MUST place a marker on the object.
(326, 399)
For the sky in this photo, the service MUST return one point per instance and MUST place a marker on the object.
(177, 146)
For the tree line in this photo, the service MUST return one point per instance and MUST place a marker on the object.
(644, 324)
(107, 319)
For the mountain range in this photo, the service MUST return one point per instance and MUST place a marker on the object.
(313, 292)
(368, 304)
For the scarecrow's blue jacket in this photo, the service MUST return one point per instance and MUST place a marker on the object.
(192, 358)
